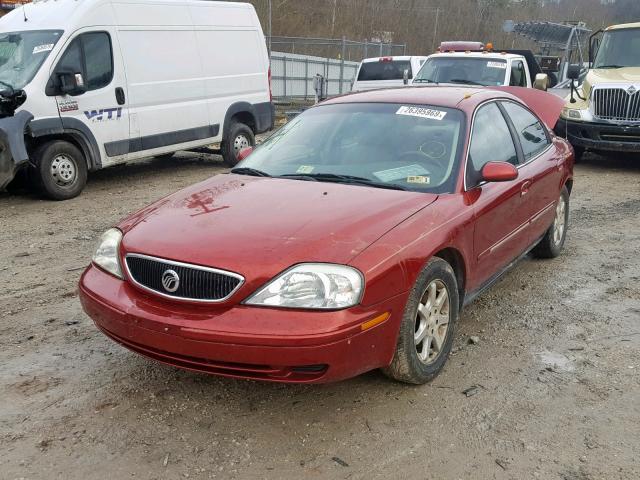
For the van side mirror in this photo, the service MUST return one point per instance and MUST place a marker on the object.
(499, 172)
(541, 82)
(71, 83)
(405, 77)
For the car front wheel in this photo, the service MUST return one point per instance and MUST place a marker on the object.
(61, 170)
(426, 331)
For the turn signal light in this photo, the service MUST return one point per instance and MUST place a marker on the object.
(375, 321)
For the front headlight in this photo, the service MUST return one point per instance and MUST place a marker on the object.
(571, 113)
(312, 285)
(106, 256)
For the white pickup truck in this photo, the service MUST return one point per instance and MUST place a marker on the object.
(386, 72)
(473, 63)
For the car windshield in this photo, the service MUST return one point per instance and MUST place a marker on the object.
(401, 146)
(461, 70)
(619, 48)
(384, 69)
(22, 54)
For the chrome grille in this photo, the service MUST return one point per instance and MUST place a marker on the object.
(197, 283)
(616, 104)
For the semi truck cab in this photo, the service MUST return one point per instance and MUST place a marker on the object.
(603, 113)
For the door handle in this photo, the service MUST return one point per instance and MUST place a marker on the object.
(524, 189)
(120, 95)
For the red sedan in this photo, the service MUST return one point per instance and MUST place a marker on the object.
(348, 241)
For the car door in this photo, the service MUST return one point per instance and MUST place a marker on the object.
(500, 208)
(518, 76)
(540, 166)
(101, 109)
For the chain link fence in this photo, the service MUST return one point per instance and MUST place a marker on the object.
(295, 61)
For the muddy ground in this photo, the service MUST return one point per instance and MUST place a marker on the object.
(557, 365)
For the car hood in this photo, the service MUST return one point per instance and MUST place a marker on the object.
(260, 226)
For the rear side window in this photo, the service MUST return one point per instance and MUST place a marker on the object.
(491, 141)
(518, 75)
(91, 55)
(532, 134)
(384, 70)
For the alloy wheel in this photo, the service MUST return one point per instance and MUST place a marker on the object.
(432, 322)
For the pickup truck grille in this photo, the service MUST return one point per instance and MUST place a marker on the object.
(616, 104)
(180, 280)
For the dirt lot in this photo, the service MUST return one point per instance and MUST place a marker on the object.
(557, 365)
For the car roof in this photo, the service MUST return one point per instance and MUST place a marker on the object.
(463, 98)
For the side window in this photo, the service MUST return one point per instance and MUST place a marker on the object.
(91, 55)
(532, 134)
(98, 59)
(491, 141)
(518, 77)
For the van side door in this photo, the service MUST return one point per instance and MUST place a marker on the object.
(99, 107)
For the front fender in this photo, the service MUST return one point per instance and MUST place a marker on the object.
(13, 153)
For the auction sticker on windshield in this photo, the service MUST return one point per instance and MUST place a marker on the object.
(502, 65)
(42, 48)
(421, 112)
(402, 173)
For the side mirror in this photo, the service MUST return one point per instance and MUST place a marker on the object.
(405, 77)
(71, 83)
(499, 172)
(541, 82)
(573, 72)
(244, 153)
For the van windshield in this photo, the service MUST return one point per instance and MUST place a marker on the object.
(619, 48)
(461, 70)
(22, 54)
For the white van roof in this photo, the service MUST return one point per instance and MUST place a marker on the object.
(69, 15)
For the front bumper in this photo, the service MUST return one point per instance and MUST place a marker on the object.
(600, 136)
(13, 151)
(198, 338)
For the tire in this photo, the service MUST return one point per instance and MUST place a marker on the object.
(60, 170)
(412, 363)
(236, 138)
(578, 154)
(551, 244)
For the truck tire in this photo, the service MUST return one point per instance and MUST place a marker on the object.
(60, 170)
(237, 137)
(578, 153)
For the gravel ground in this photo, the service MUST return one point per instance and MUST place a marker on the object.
(556, 365)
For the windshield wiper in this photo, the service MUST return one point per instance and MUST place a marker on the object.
(250, 171)
(347, 179)
(9, 86)
(610, 66)
(424, 80)
(465, 82)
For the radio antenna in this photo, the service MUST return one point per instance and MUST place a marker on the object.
(24, 10)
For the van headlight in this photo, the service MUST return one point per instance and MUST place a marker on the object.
(312, 285)
(106, 256)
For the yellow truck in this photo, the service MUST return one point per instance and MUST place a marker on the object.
(603, 113)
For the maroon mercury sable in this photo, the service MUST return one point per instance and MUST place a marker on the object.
(346, 242)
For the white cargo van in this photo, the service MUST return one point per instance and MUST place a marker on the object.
(386, 72)
(86, 84)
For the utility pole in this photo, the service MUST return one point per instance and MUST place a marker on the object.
(270, 31)
(435, 30)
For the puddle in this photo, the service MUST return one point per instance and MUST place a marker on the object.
(557, 361)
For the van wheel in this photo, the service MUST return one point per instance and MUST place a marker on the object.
(61, 170)
(427, 328)
(238, 136)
